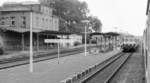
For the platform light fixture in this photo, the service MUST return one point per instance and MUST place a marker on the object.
(31, 43)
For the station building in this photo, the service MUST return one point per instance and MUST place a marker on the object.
(16, 19)
(21, 15)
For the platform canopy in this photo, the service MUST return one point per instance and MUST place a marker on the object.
(54, 32)
(19, 30)
(108, 34)
(96, 33)
(35, 30)
(112, 33)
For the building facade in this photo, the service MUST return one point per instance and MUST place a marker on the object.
(21, 15)
(16, 21)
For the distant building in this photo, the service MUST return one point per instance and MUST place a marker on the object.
(20, 16)
(109, 40)
(75, 39)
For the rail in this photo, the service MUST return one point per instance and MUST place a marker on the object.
(100, 73)
(13, 62)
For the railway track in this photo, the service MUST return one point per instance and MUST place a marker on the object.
(106, 70)
(8, 63)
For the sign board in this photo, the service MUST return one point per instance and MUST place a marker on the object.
(58, 40)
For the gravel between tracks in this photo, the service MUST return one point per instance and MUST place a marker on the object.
(132, 71)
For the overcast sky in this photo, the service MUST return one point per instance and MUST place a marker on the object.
(127, 15)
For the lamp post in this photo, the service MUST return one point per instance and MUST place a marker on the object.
(85, 35)
(31, 43)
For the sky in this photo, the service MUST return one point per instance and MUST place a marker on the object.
(126, 16)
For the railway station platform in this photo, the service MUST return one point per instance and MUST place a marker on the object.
(41, 51)
(50, 71)
(21, 53)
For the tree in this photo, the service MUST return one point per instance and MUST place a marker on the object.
(95, 23)
(71, 13)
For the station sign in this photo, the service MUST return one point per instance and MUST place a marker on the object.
(58, 40)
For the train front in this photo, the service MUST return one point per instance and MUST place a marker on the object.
(129, 45)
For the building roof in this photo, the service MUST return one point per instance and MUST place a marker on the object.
(112, 34)
(96, 33)
(21, 7)
(41, 31)
(55, 32)
(107, 35)
(19, 30)
(14, 9)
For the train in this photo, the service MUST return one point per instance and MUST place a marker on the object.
(129, 47)
(129, 44)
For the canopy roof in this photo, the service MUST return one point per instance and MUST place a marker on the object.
(96, 33)
(35, 30)
(19, 30)
(105, 34)
(112, 34)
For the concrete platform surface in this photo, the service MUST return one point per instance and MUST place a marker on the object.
(50, 71)
(21, 53)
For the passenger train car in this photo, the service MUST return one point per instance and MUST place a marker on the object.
(129, 44)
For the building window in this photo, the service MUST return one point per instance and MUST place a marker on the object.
(2, 18)
(12, 17)
(43, 19)
(37, 20)
(24, 23)
(12, 20)
(13, 23)
(23, 19)
(2, 23)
